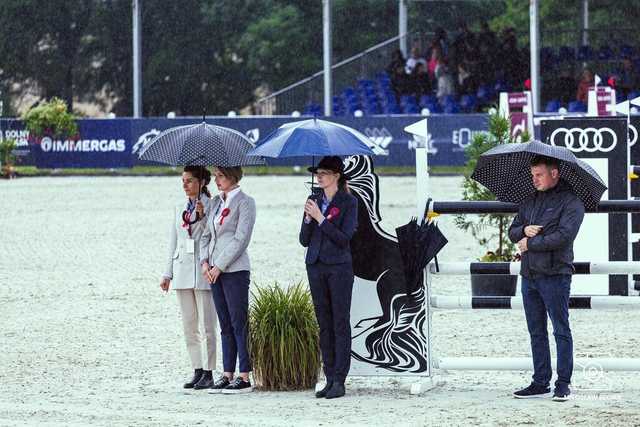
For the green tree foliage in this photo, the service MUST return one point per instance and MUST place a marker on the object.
(213, 54)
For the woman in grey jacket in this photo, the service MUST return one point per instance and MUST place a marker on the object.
(193, 292)
(225, 265)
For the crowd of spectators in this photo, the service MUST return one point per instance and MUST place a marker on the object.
(459, 67)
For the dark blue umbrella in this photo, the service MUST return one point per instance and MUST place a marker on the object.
(313, 137)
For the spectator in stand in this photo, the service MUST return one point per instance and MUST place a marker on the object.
(513, 64)
(467, 82)
(486, 37)
(627, 80)
(587, 81)
(485, 63)
(463, 44)
(420, 81)
(414, 60)
(434, 58)
(563, 87)
(441, 39)
(397, 75)
(446, 85)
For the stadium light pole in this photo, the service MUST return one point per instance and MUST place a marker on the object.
(535, 54)
(137, 75)
(402, 25)
(585, 22)
(326, 48)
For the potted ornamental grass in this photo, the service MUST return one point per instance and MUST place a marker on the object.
(284, 338)
(489, 230)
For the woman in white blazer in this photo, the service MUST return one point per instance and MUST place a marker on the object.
(193, 292)
(225, 264)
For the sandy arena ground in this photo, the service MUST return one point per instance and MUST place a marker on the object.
(87, 338)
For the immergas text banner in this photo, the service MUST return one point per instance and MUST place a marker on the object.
(115, 143)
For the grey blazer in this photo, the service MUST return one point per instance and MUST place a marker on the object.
(226, 246)
(184, 267)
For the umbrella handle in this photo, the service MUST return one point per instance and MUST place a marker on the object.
(426, 210)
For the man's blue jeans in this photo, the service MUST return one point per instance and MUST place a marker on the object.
(542, 296)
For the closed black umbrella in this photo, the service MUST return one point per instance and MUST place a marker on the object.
(506, 171)
(418, 244)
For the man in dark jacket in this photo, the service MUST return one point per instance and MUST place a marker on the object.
(544, 229)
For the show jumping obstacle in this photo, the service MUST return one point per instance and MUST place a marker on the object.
(512, 268)
(619, 262)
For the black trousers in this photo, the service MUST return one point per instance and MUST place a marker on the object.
(331, 287)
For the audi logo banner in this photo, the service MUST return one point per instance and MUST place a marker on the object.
(602, 142)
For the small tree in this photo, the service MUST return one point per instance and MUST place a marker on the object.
(50, 118)
(488, 228)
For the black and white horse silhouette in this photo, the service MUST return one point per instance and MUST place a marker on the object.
(390, 336)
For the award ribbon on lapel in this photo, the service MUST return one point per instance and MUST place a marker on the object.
(224, 214)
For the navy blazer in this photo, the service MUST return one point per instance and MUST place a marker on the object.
(329, 242)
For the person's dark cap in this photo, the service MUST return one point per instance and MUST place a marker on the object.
(332, 163)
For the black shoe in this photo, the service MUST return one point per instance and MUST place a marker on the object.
(533, 391)
(219, 385)
(561, 393)
(336, 390)
(323, 392)
(238, 386)
(206, 381)
(197, 374)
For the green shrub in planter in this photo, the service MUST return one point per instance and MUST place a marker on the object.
(283, 338)
(489, 230)
(50, 118)
(7, 158)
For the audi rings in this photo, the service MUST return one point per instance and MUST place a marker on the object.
(633, 135)
(577, 139)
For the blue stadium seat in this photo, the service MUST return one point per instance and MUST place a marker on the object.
(485, 94)
(468, 103)
(577, 107)
(585, 53)
(426, 100)
(552, 106)
(633, 94)
(566, 54)
(447, 100)
(434, 108)
(451, 108)
(626, 51)
(605, 53)
(501, 86)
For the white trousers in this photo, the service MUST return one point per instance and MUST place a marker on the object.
(199, 313)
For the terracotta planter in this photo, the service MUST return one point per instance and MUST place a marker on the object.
(8, 171)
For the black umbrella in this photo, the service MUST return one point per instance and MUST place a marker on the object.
(418, 244)
(201, 144)
(506, 171)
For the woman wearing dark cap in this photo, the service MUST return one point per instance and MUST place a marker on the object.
(330, 220)
(193, 292)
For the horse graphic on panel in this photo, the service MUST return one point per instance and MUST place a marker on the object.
(388, 336)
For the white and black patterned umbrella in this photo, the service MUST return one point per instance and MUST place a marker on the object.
(506, 171)
(201, 144)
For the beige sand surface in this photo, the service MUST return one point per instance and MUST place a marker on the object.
(87, 338)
